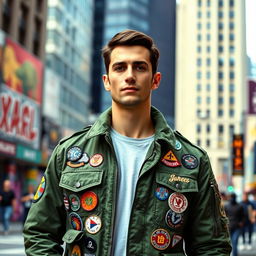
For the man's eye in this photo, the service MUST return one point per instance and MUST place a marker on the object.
(141, 68)
(118, 68)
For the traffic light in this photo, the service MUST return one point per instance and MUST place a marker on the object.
(230, 189)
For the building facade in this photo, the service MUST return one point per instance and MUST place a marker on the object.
(22, 42)
(68, 63)
(211, 72)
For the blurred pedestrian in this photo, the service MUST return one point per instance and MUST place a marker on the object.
(248, 223)
(7, 205)
(27, 200)
(235, 213)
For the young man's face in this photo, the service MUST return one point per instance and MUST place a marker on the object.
(130, 79)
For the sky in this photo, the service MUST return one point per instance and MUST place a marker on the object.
(251, 28)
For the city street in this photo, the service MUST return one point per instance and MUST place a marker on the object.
(12, 244)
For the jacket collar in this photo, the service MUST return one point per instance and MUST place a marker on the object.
(163, 131)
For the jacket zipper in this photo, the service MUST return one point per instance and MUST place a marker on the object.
(114, 198)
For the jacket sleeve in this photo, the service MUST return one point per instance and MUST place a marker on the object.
(207, 233)
(46, 221)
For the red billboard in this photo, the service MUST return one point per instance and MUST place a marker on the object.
(238, 154)
(21, 71)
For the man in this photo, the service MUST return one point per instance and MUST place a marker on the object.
(128, 185)
(7, 204)
(235, 213)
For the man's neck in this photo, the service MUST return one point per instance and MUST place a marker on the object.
(132, 122)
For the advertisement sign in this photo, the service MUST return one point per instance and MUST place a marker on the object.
(238, 154)
(252, 97)
(7, 148)
(21, 71)
(28, 154)
(19, 118)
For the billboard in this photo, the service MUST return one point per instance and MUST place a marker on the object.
(21, 71)
(238, 154)
(252, 97)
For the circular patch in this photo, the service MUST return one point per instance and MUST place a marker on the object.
(160, 239)
(40, 190)
(74, 202)
(76, 251)
(96, 160)
(76, 221)
(161, 193)
(93, 224)
(173, 219)
(90, 244)
(178, 202)
(74, 154)
(89, 201)
(84, 159)
(178, 145)
(66, 202)
(189, 161)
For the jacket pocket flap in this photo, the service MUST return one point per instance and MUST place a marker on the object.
(177, 183)
(78, 181)
(72, 235)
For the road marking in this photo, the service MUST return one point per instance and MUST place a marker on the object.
(14, 251)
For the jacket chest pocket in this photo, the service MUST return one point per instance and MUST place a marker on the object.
(173, 195)
(81, 194)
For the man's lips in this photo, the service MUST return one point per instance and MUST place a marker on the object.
(130, 88)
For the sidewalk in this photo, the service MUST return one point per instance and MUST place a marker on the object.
(244, 250)
(15, 228)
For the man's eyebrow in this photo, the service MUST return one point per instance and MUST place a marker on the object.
(134, 62)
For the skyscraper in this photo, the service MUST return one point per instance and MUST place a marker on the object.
(68, 60)
(211, 61)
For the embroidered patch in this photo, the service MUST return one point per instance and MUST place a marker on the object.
(76, 221)
(175, 240)
(89, 200)
(93, 224)
(171, 160)
(96, 160)
(178, 202)
(84, 159)
(90, 244)
(74, 202)
(74, 154)
(160, 239)
(66, 202)
(173, 219)
(189, 161)
(161, 193)
(40, 190)
(76, 251)
(178, 145)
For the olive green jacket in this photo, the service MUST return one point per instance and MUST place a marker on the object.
(199, 225)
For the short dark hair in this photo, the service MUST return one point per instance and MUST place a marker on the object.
(131, 38)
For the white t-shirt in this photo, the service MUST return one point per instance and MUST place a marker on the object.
(130, 155)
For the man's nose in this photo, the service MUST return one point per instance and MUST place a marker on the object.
(130, 77)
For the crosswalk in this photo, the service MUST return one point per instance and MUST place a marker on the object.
(12, 245)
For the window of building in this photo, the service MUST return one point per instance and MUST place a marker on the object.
(198, 100)
(198, 113)
(221, 37)
(231, 87)
(199, 3)
(220, 48)
(231, 62)
(199, 49)
(221, 75)
(231, 100)
(208, 14)
(231, 14)
(208, 74)
(221, 62)
(208, 143)
(220, 128)
(231, 3)
(199, 26)
(208, 37)
(199, 62)
(231, 130)
(199, 37)
(208, 113)
(231, 48)
(231, 112)
(198, 142)
(208, 100)
(220, 112)
(232, 75)
(220, 88)
(220, 3)
(221, 26)
(231, 37)
(7, 7)
(208, 87)
(231, 25)
(198, 87)
(199, 14)
(199, 75)
(23, 24)
(208, 62)
(208, 3)
(220, 14)
(208, 49)
(220, 100)
(198, 128)
(208, 128)
(208, 25)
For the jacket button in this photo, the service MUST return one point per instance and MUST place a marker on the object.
(78, 184)
(178, 186)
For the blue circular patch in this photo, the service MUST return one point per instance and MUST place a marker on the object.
(189, 161)
(76, 221)
(178, 145)
(161, 193)
(74, 154)
(173, 219)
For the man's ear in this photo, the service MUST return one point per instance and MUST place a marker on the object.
(106, 82)
(156, 80)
